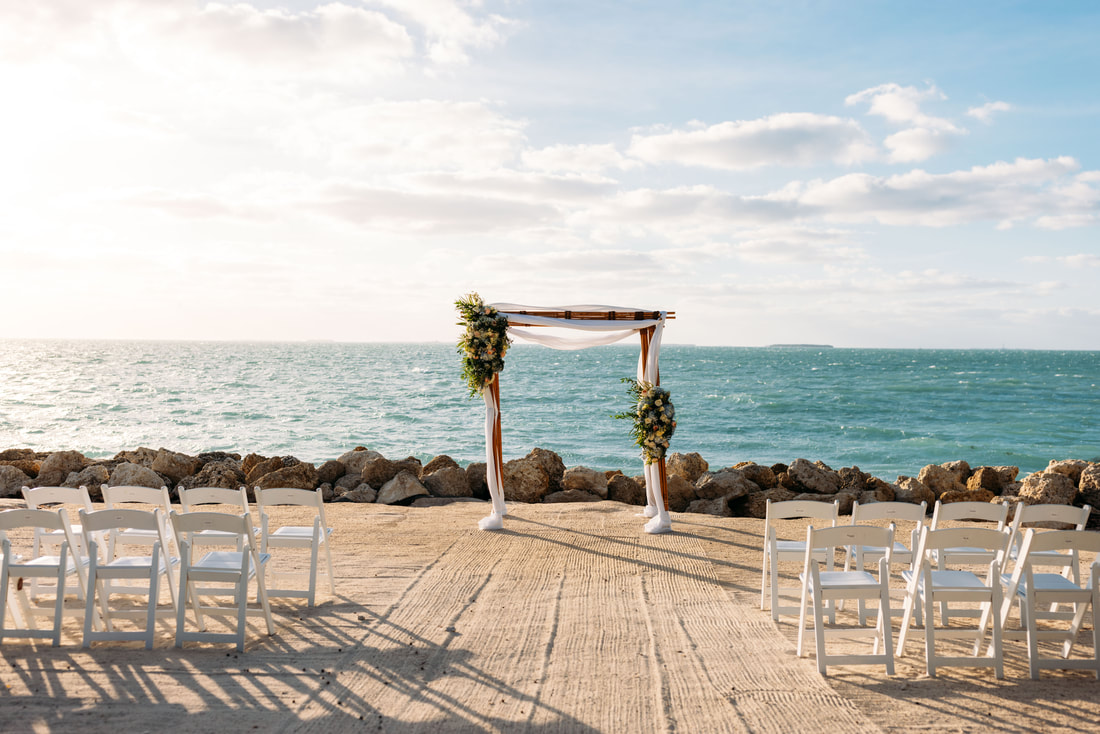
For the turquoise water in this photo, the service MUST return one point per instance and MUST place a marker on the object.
(889, 412)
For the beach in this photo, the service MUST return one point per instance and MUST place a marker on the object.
(571, 619)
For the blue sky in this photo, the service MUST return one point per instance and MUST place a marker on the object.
(858, 173)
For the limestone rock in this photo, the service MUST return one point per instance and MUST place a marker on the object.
(302, 475)
(174, 465)
(362, 493)
(346, 482)
(583, 479)
(142, 456)
(12, 481)
(755, 504)
(448, 480)
(681, 493)
(475, 477)
(439, 501)
(967, 495)
(330, 471)
(689, 466)
(908, 489)
(248, 463)
(57, 467)
(1090, 486)
(208, 456)
(262, 469)
(1048, 488)
(552, 464)
(438, 463)
(844, 500)
(761, 476)
(17, 455)
(571, 495)
(1012, 489)
(377, 471)
(226, 474)
(355, 459)
(93, 477)
(728, 483)
(988, 478)
(1071, 468)
(29, 467)
(940, 479)
(960, 469)
(624, 489)
(718, 506)
(402, 487)
(525, 480)
(134, 475)
(813, 477)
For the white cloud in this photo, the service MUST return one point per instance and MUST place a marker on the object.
(1076, 262)
(451, 30)
(984, 113)
(577, 158)
(924, 135)
(790, 139)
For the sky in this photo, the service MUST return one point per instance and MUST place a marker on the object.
(856, 173)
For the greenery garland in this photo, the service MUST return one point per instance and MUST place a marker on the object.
(483, 344)
(654, 418)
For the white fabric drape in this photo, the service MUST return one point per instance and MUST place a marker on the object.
(555, 341)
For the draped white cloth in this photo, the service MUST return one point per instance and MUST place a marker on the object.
(606, 332)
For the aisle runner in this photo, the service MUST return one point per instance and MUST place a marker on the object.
(596, 628)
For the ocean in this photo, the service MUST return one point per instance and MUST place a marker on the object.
(887, 411)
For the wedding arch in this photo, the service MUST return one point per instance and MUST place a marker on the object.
(602, 325)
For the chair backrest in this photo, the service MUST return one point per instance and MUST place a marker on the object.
(111, 519)
(1060, 514)
(34, 518)
(906, 511)
(968, 537)
(35, 497)
(145, 495)
(1057, 540)
(982, 511)
(793, 509)
(288, 496)
(850, 535)
(184, 523)
(189, 498)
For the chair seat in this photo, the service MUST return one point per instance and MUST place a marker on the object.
(139, 562)
(835, 580)
(53, 561)
(296, 532)
(874, 550)
(790, 546)
(226, 562)
(1044, 582)
(948, 580)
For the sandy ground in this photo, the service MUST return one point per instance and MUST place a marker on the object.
(570, 620)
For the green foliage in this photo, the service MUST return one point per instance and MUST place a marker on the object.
(653, 418)
(483, 344)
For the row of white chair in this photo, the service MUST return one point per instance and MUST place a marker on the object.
(929, 577)
(102, 571)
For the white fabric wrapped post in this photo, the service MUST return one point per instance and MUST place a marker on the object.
(618, 324)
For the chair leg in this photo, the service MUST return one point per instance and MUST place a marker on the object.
(802, 618)
(312, 573)
(929, 635)
(331, 573)
(89, 603)
(887, 631)
(764, 580)
(819, 631)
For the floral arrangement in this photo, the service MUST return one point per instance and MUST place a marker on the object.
(654, 419)
(483, 344)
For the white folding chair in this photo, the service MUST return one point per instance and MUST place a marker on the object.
(1027, 515)
(829, 587)
(57, 567)
(777, 551)
(927, 584)
(903, 554)
(194, 499)
(967, 512)
(233, 571)
(44, 539)
(313, 537)
(150, 499)
(149, 568)
(1036, 590)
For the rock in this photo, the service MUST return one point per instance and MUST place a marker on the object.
(1012, 502)
(583, 479)
(438, 463)
(1071, 468)
(908, 489)
(262, 469)
(967, 495)
(525, 480)
(29, 467)
(330, 471)
(475, 476)
(327, 492)
(58, 466)
(355, 459)
(12, 481)
(362, 493)
(572, 495)
(844, 500)
(1012, 489)
(940, 479)
(142, 456)
(17, 455)
(988, 478)
(761, 476)
(960, 469)
(302, 475)
(552, 464)
(1008, 473)
(378, 471)
(755, 504)
(689, 466)
(210, 456)
(625, 489)
(402, 487)
(447, 481)
(225, 473)
(881, 490)
(1048, 488)
(729, 483)
(1090, 486)
(174, 465)
(815, 477)
(346, 482)
(248, 463)
(134, 475)
(718, 506)
(93, 477)
(681, 493)
(439, 501)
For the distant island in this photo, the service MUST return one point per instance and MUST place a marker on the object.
(816, 346)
